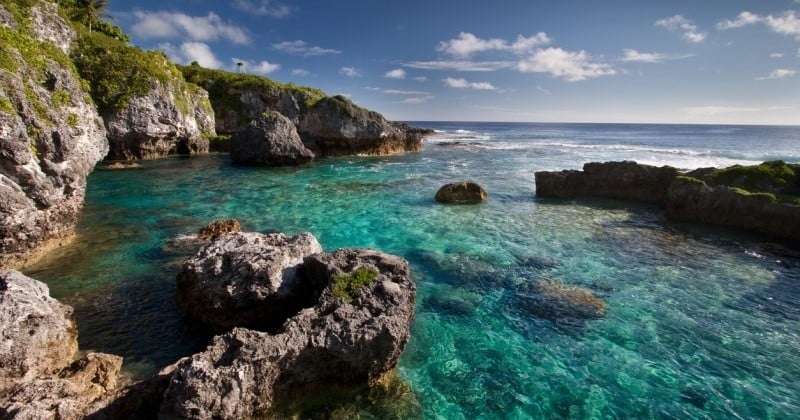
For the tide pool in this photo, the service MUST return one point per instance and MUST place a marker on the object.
(701, 322)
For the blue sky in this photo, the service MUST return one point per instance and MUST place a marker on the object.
(711, 61)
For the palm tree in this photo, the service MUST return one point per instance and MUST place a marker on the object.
(91, 10)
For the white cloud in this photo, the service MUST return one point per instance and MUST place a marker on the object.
(303, 49)
(776, 55)
(395, 74)
(712, 110)
(642, 57)
(300, 72)
(467, 44)
(779, 74)
(477, 66)
(403, 92)
(567, 65)
(679, 23)
(191, 51)
(543, 90)
(786, 23)
(262, 67)
(263, 8)
(421, 79)
(196, 28)
(350, 72)
(415, 100)
(464, 84)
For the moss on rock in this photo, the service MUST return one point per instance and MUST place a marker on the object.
(346, 285)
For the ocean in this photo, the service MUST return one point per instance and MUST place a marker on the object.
(702, 321)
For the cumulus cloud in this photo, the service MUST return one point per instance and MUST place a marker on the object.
(786, 23)
(464, 84)
(568, 65)
(179, 25)
(779, 74)
(468, 44)
(261, 67)
(302, 48)
(191, 51)
(300, 72)
(678, 23)
(350, 72)
(395, 74)
(476, 66)
(263, 8)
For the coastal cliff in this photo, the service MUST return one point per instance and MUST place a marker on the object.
(51, 133)
(762, 198)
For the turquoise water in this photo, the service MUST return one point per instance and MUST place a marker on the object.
(702, 322)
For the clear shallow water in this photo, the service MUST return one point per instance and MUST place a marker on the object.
(701, 323)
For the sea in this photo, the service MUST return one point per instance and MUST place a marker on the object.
(701, 322)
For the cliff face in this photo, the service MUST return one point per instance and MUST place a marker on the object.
(148, 108)
(51, 135)
(329, 126)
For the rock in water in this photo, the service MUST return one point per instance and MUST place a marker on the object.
(271, 139)
(465, 192)
(244, 279)
(51, 135)
(214, 230)
(337, 341)
(38, 334)
(557, 301)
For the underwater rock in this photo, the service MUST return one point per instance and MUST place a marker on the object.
(244, 279)
(465, 192)
(348, 339)
(271, 139)
(214, 230)
(559, 302)
(453, 301)
(624, 180)
(123, 165)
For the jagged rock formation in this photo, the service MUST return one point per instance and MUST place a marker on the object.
(328, 126)
(763, 198)
(624, 180)
(38, 377)
(245, 279)
(214, 230)
(465, 192)
(352, 334)
(52, 136)
(271, 139)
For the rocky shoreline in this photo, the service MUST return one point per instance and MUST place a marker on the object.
(761, 198)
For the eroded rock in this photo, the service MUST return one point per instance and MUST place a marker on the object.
(271, 139)
(465, 192)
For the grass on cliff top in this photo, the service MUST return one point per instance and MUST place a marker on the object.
(346, 285)
(224, 87)
(776, 177)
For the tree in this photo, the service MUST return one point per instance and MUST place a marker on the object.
(91, 10)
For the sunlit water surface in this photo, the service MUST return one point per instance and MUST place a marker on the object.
(702, 322)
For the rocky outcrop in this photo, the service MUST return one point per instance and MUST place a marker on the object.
(214, 230)
(51, 136)
(465, 192)
(271, 139)
(693, 200)
(245, 279)
(38, 377)
(328, 126)
(559, 302)
(335, 126)
(624, 180)
(167, 120)
(349, 336)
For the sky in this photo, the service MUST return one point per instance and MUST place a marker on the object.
(678, 61)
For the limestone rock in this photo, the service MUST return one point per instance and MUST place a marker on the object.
(557, 301)
(214, 230)
(159, 124)
(37, 334)
(243, 373)
(244, 279)
(51, 137)
(465, 192)
(271, 139)
(623, 180)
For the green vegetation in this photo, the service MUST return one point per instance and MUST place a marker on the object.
(764, 196)
(6, 105)
(689, 180)
(72, 120)
(773, 176)
(347, 285)
(60, 98)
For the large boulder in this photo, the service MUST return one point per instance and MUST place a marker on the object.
(624, 180)
(352, 335)
(271, 139)
(38, 377)
(244, 279)
(50, 135)
(465, 192)
(214, 230)
(559, 302)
